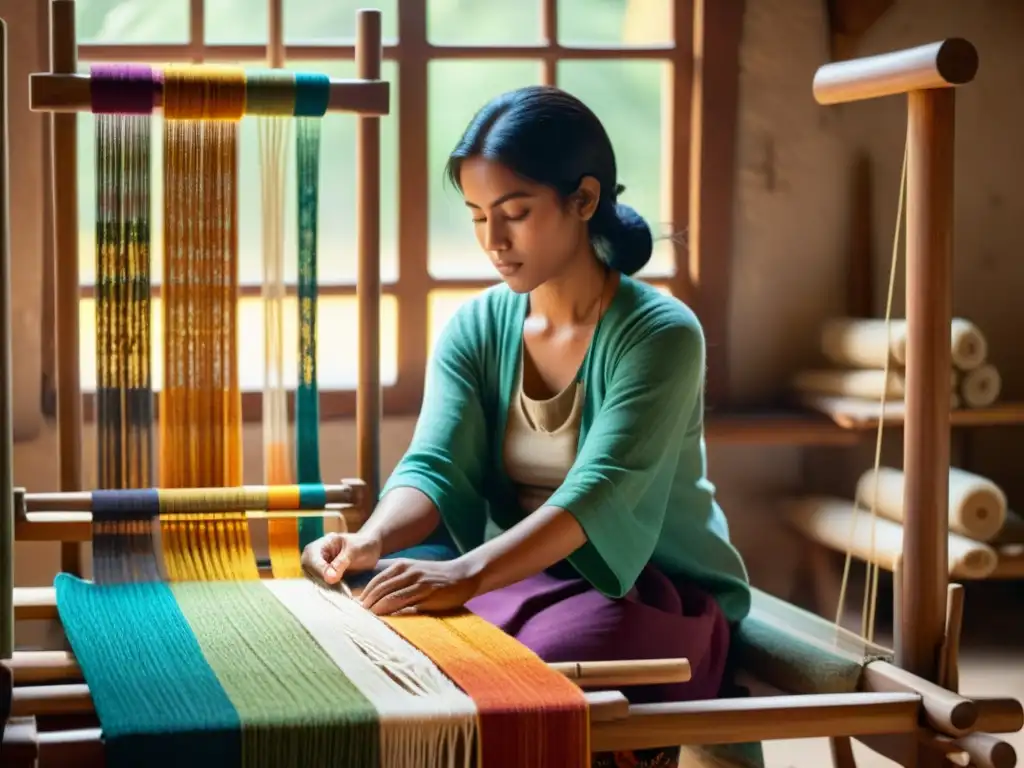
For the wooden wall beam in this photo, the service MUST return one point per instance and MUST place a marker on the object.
(717, 35)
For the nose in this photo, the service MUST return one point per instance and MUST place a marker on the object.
(495, 236)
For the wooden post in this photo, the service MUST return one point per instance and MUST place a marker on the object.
(369, 54)
(926, 74)
(6, 387)
(64, 142)
(930, 191)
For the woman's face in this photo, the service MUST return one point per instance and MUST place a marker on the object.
(530, 235)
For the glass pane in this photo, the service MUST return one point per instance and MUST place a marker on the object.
(316, 21)
(441, 306)
(237, 21)
(337, 234)
(460, 22)
(456, 90)
(337, 343)
(627, 97)
(615, 22)
(132, 21)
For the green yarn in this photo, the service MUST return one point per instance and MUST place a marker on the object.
(307, 406)
(270, 92)
(297, 708)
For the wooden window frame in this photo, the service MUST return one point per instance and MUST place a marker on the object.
(698, 132)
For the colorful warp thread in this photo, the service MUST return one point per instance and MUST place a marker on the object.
(200, 403)
(122, 98)
(312, 96)
(274, 92)
(528, 714)
(151, 535)
(212, 666)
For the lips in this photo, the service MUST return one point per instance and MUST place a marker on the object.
(507, 267)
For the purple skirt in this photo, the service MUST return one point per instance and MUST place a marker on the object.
(566, 619)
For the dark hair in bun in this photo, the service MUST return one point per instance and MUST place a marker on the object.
(550, 137)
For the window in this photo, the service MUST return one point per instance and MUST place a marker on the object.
(444, 58)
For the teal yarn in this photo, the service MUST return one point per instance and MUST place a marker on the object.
(312, 94)
(307, 395)
(181, 715)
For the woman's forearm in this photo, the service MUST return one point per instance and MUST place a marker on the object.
(534, 544)
(404, 518)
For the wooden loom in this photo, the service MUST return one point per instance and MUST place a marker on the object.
(833, 684)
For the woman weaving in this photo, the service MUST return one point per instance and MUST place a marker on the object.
(561, 440)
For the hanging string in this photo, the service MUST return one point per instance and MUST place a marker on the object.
(272, 94)
(871, 578)
(200, 403)
(122, 99)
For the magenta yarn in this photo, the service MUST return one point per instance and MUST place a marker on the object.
(126, 89)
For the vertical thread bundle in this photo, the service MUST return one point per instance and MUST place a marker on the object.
(200, 403)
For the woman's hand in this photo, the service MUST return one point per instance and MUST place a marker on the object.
(423, 585)
(331, 556)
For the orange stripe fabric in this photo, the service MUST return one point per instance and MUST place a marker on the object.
(529, 714)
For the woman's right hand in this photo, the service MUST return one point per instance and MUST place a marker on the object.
(335, 554)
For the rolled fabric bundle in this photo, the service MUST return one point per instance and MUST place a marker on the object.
(868, 384)
(865, 342)
(977, 506)
(837, 524)
(980, 388)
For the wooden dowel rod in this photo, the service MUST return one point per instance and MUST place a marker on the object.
(946, 712)
(369, 53)
(732, 721)
(654, 725)
(936, 65)
(608, 674)
(42, 668)
(70, 93)
(926, 427)
(6, 388)
(216, 498)
(949, 658)
(75, 699)
(987, 751)
(998, 714)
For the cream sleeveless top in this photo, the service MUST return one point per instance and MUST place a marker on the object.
(540, 442)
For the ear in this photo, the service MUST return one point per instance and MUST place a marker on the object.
(586, 197)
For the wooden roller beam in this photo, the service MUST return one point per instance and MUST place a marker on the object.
(936, 65)
(77, 526)
(42, 701)
(617, 726)
(81, 501)
(50, 92)
(37, 670)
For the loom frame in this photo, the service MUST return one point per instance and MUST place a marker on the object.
(904, 698)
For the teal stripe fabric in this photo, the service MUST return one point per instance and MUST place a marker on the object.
(159, 701)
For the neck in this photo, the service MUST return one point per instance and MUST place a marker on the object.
(572, 297)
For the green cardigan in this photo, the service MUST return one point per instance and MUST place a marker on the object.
(638, 485)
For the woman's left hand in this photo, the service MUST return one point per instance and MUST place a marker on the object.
(423, 585)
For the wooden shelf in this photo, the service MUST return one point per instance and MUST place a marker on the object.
(859, 415)
(833, 421)
(775, 427)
